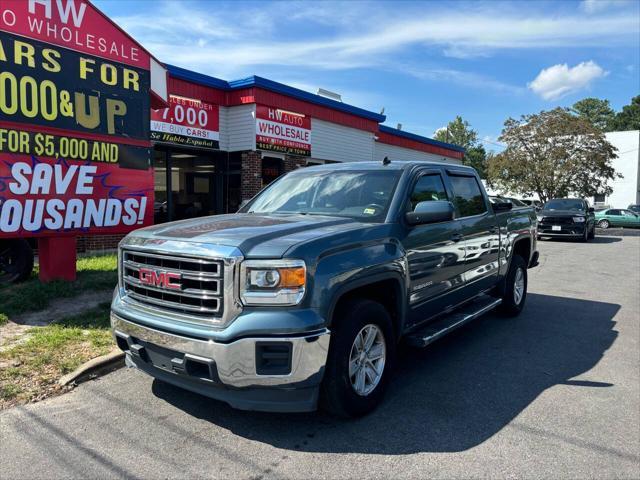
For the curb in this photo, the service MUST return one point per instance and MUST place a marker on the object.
(94, 368)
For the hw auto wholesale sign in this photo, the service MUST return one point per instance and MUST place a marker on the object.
(282, 131)
(74, 122)
(188, 122)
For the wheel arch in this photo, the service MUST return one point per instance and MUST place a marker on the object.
(386, 289)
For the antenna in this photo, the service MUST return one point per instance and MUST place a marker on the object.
(399, 127)
(386, 161)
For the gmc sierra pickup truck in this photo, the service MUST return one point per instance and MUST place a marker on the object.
(302, 297)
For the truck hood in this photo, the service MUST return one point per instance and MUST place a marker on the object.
(268, 236)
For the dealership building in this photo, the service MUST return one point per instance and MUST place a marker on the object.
(220, 142)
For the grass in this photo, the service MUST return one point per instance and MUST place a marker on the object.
(94, 273)
(29, 370)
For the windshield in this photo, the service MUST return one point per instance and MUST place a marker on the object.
(355, 194)
(567, 204)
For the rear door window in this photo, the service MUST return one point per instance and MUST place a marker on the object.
(467, 196)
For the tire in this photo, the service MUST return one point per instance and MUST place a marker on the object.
(338, 392)
(592, 233)
(586, 236)
(16, 261)
(512, 305)
(604, 224)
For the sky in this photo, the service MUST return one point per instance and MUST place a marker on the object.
(423, 62)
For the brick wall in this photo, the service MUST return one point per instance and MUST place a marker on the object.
(292, 163)
(98, 243)
(251, 176)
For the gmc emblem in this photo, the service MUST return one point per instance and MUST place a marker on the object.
(159, 278)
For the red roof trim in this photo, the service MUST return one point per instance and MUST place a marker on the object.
(413, 145)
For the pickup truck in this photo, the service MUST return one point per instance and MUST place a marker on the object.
(302, 298)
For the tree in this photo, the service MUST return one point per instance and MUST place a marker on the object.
(628, 118)
(476, 157)
(596, 111)
(459, 132)
(553, 154)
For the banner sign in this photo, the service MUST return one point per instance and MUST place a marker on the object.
(188, 122)
(282, 131)
(74, 24)
(59, 88)
(54, 197)
(74, 122)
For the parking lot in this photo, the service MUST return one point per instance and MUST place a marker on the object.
(553, 393)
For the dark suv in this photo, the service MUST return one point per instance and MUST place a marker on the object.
(567, 217)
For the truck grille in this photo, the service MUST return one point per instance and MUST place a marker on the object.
(558, 220)
(200, 291)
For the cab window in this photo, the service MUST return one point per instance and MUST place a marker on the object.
(428, 188)
(467, 196)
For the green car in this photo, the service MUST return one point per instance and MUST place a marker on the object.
(617, 217)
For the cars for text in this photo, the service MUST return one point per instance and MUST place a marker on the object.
(303, 296)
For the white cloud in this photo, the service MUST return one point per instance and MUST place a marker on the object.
(595, 6)
(234, 39)
(561, 80)
(465, 79)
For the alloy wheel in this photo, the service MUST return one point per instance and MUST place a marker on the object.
(367, 359)
(518, 287)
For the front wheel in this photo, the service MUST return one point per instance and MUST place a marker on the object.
(585, 236)
(604, 224)
(361, 354)
(515, 291)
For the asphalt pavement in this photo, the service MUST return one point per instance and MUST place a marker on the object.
(554, 393)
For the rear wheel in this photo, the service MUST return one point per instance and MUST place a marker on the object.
(16, 260)
(515, 290)
(604, 224)
(361, 354)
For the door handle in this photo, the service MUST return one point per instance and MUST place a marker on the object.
(494, 229)
(456, 237)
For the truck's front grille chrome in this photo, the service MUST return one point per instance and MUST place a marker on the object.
(182, 285)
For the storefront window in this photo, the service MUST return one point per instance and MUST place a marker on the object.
(160, 205)
(189, 183)
(272, 168)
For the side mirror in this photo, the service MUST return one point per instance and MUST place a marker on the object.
(591, 210)
(503, 206)
(430, 212)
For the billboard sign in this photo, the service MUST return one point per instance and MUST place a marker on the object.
(74, 122)
(282, 131)
(188, 122)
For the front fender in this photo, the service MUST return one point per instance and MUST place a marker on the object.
(343, 270)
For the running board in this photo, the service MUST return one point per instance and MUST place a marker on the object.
(457, 318)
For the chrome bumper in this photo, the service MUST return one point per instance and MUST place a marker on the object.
(235, 362)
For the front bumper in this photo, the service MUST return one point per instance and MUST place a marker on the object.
(575, 230)
(236, 372)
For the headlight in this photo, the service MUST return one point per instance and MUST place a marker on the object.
(539, 217)
(272, 282)
(578, 219)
